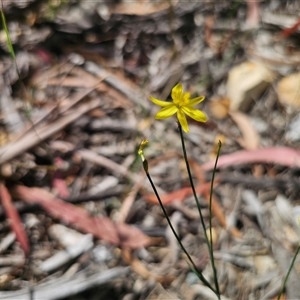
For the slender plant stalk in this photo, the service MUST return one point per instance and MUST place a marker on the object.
(191, 262)
(210, 218)
(8, 39)
(288, 273)
(13, 56)
(208, 243)
(11, 50)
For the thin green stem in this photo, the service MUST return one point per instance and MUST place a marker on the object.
(9, 43)
(8, 39)
(288, 273)
(193, 186)
(210, 250)
(192, 264)
(210, 218)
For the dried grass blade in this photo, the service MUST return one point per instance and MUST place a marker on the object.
(34, 137)
(284, 156)
(250, 139)
(14, 218)
(179, 195)
(102, 228)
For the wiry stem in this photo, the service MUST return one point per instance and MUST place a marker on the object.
(192, 264)
(288, 273)
(209, 245)
(210, 219)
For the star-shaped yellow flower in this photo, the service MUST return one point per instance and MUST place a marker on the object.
(182, 105)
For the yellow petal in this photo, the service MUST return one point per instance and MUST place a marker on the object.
(177, 92)
(195, 114)
(159, 102)
(166, 112)
(182, 120)
(195, 101)
(185, 99)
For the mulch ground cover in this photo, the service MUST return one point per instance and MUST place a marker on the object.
(78, 217)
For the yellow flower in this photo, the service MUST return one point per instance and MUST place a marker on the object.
(182, 105)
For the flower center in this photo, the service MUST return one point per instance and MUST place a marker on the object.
(183, 100)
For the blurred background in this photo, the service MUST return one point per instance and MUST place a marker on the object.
(78, 219)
